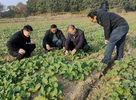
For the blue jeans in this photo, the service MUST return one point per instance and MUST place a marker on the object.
(117, 38)
(56, 44)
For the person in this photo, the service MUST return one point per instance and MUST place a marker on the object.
(54, 38)
(19, 45)
(115, 30)
(75, 41)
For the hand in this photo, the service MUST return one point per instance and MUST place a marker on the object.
(73, 51)
(48, 47)
(64, 49)
(21, 51)
(66, 53)
(106, 41)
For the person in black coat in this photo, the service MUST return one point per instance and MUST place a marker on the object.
(19, 45)
(115, 30)
(54, 38)
(76, 40)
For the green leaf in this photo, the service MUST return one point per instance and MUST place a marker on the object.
(110, 90)
(17, 89)
(81, 77)
(25, 94)
(65, 75)
(37, 87)
(42, 91)
(70, 69)
(40, 98)
(44, 81)
(55, 84)
(53, 92)
(18, 98)
(53, 79)
(120, 90)
(70, 77)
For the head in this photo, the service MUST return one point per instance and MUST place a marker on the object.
(71, 29)
(27, 30)
(92, 16)
(53, 28)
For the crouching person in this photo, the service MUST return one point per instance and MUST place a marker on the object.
(54, 38)
(75, 41)
(19, 45)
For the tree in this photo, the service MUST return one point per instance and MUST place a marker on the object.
(1, 7)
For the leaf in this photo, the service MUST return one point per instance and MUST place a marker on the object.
(42, 91)
(32, 89)
(110, 90)
(70, 69)
(44, 81)
(48, 90)
(25, 94)
(65, 75)
(81, 77)
(37, 87)
(70, 77)
(40, 98)
(120, 90)
(53, 92)
(53, 79)
(60, 89)
(55, 84)
(17, 89)
(18, 98)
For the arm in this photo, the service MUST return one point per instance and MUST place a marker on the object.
(11, 43)
(106, 25)
(81, 41)
(67, 42)
(45, 40)
(63, 38)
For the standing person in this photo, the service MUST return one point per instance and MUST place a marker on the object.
(19, 45)
(76, 40)
(54, 38)
(115, 31)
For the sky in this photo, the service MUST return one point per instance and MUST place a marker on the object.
(12, 2)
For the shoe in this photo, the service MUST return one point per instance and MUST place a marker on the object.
(103, 61)
(118, 58)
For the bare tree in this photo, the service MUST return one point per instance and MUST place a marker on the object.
(1, 7)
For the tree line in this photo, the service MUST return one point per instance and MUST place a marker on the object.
(54, 6)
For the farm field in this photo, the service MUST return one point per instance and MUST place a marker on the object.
(53, 76)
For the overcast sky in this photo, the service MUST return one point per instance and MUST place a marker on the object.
(12, 2)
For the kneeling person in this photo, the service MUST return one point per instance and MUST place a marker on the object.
(20, 45)
(54, 38)
(76, 40)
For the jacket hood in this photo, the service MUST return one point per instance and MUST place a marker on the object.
(100, 12)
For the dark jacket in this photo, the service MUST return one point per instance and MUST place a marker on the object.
(17, 41)
(48, 39)
(78, 40)
(109, 21)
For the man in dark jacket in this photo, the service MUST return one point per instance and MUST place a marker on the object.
(54, 38)
(20, 45)
(115, 30)
(76, 40)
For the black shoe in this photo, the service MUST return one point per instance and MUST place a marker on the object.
(105, 63)
(118, 58)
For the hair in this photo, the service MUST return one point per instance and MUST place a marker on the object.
(92, 14)
(53, 26)
(71, 27)
(28, 28)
